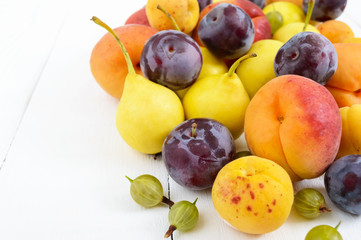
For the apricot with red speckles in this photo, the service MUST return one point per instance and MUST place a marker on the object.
(253, 194)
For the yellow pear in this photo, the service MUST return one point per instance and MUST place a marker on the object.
(211, 65)
(249, 71)
(287, 31)
(351, 131)
(147, 111)
(221, 97)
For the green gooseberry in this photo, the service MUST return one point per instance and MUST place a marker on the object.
(183, 216)
(324, 232)
(275, 19)
(310, 203)
(147, 191)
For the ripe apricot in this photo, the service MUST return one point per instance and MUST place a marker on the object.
(336, 31)
(253, 194)
(107, 62)
(345, 84)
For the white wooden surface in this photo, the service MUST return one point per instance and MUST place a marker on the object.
(62, 161)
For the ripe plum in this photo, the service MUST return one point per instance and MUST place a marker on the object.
(325, 9)
(343, 183)
(259, 3)
(307, 54)
(227, 31)
(172, 59)
(196, 150)
(204, 3)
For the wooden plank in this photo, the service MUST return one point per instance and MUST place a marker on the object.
(64, 173)
(29, 31)
(64, 177)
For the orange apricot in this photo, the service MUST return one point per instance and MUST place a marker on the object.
(336, 31)
(107, 62)
(345, 84)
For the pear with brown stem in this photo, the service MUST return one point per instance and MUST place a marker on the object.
(147, 111)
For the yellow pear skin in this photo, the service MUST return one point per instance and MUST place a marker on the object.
(249, 71)
(220, 97)
(286, 32)
(146, 113)
(211, 66)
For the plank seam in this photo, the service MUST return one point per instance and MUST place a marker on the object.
(33, 90)
(168, 187)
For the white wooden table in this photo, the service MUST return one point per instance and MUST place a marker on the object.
(62, 161)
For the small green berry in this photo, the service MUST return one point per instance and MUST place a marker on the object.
(275, 19)
(182, 216)
(147, 191)
(310, 203)
(324, 232)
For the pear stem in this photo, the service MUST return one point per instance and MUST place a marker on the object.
(130, 180)
(239, 60)
(194, 126)
(195, 201)
(175, 25)
(311, 4)
(124, 50)
(338, 224)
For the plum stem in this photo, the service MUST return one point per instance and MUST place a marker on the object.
(194, 126)
(175, 25)
(239, 60)
(124, 50)
(338, 224)
(311, 4)
(195, 201)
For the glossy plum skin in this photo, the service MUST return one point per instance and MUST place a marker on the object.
(259, 3)
(172, 59)
(307, 54)
(325, 9)
(227, 31)
(204, 3)
(194, 161)
(343, 183)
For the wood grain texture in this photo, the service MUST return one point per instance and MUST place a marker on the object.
(64, 174)
(28, 35)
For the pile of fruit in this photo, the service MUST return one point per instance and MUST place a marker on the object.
(199, 74)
